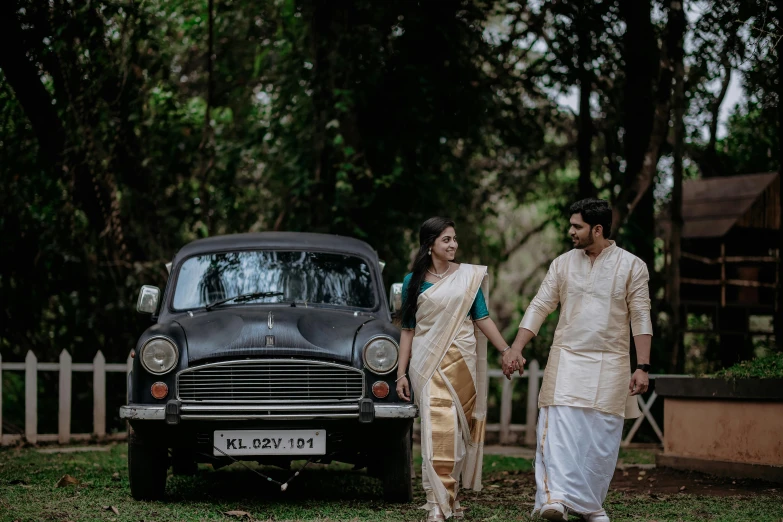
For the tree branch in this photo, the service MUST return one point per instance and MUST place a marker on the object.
(509, 251)
(717, 102)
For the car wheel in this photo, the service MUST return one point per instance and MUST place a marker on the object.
(397, 466)
(147, 467)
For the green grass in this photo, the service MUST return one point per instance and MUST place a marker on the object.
(637, 456)
(328, 493)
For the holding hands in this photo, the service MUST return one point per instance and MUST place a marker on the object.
(513, 361)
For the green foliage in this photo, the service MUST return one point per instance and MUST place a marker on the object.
(315, 116)
(768, 367)
(751, 144)
(123, 135)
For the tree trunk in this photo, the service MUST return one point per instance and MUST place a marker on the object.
(640, 52)
(322, 189)
(677, 363)
(779, 294)
(646, 136)
(585, 140)
(207, 146)
(23, 76)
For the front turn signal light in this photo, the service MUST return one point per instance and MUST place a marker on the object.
(159, 390)
(380, 389)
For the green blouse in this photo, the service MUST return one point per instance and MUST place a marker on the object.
(477, 311)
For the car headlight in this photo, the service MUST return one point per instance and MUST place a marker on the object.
(381, 354)
(159, 355)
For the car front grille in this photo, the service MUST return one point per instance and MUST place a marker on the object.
(270, 381)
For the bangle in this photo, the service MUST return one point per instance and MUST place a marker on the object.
(400, 377)
(507, 348)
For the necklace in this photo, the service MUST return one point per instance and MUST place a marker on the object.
(440, 276)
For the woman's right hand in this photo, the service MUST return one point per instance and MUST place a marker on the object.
(404, 389)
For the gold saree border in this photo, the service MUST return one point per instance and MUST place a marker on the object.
(457, 372)
(443, 425)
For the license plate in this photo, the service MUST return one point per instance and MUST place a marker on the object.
(270, 442)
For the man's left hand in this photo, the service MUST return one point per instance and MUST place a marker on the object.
(640, 382)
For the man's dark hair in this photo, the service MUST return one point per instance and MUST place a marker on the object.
(594, 212)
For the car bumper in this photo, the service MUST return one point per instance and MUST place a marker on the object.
(253, 412)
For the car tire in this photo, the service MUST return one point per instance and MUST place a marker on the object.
(397, 471)
(147, 468)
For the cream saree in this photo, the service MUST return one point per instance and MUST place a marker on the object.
(448, 374)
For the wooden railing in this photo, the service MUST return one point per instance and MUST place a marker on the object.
(508, 431)
(533, 374)
(65, 367)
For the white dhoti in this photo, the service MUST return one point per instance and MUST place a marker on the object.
(576, 455)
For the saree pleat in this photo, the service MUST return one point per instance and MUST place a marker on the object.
(448, 377)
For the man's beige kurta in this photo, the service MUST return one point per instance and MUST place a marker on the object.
(589, 363)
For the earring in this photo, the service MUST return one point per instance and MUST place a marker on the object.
(429, 252)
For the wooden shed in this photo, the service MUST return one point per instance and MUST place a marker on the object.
(730, 256)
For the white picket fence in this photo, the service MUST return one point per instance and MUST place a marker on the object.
(65, 367)
(508, 432)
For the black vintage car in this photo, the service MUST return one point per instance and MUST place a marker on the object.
(269, 347)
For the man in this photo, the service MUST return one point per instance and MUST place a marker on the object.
(585, 397)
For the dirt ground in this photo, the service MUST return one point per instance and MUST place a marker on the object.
(665, 481)
(657, 481)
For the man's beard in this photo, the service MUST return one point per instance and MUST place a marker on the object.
(581, 245)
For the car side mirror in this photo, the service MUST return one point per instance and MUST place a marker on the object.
(382, 265)
(395, 298)
(148, 299)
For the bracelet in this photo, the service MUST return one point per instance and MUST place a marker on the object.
(505, 350)
(400, 377)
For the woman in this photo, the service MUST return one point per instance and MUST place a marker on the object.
(442, 305)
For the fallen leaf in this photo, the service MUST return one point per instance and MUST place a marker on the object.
(642, 473)
(112, 509)
(115, 476)
(639, 478)
(682, 488)
(67, 480)
(238, 514)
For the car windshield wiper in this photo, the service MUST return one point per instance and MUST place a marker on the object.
(241, 298)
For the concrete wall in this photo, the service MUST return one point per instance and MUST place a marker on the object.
(724, 430)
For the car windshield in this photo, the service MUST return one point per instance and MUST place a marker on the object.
(302, 277)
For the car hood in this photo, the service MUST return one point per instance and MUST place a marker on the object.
(298, 332)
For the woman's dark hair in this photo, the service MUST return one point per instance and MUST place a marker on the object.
(594, 212)
(430, 231)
